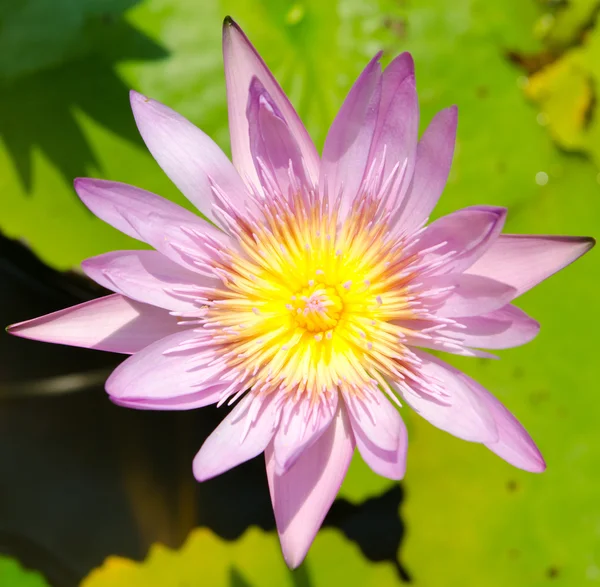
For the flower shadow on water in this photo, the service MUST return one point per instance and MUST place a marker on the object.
(52, 78)
(74, 464)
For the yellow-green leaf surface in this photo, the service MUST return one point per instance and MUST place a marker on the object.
(566, 89)
(12, 574)
(252, 561)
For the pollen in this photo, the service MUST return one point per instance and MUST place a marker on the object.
(317, 308)
(309, 304)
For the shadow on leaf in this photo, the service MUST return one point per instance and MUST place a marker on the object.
(59, 78)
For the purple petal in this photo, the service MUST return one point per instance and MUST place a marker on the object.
(272, 143)
(302, 423)
(347, 146)
(112, 323)
(169, 228)
(467, 295)
(173, 366)
(242, 63)
(434, 159)
(241, 436)
(514, 444)
(467, 234)
(149, 277)
(523, 260)
(501, 329)
(380, 434)
(303, 495)
(396, 133)
(188, 156)
(444, 398)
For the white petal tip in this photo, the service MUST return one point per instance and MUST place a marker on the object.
(538, 468)
(199, 469)
(136, 97)
(20, 329)
(294, 554)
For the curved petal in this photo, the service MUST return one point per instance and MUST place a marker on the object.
(303, 495)
(273, 145)
(514, 444)
(447, 341)
(301, 424)
(112, 323)
(173, 366)
(376, 417)
(241, 436)
(433, 161)
(206, 397)
(348, 142)
(465, 235)
(148, 276)
(380, 434)
(178, 234)
(189, 157)
(444, 398)
(523, 260)
(464, 294)
(242, 63)
(501, 329)
(396, 133)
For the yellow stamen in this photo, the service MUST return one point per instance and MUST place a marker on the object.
(307, 306)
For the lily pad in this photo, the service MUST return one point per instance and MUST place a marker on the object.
(252, 561)
(12, 574)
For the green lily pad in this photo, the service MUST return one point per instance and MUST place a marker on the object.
(252, 561)
(565, 92)
(12, 574)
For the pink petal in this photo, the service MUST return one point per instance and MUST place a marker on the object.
(467, 295)
(302, 423)
(241, 436)
(501, 329)
(467, 234)
(445, 399)
(188, 156)
(396, 133)
(148, 276)
(112, 323)
(169, 228)
(380, 434)
(434, 159)
(173, 366)
(448, 340)
(523, 260)
(347, 146)
(303, 495)
(242, 63)
(514, 444)
(200, 399)
(272, 143)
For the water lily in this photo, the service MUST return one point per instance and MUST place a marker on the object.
(307, 298)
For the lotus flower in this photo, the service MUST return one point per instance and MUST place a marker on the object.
(308, 296)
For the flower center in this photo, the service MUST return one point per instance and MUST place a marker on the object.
(317, 308)
(310, 305)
